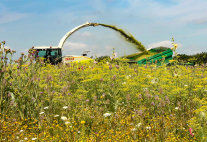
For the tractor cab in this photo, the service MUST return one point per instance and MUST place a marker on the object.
(51, 54)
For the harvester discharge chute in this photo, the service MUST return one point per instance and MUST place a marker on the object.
(155, 55)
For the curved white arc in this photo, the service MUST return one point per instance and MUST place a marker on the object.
(62, 41)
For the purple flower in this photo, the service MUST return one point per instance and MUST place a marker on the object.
(49, 77)
(114, 77)
(140, 112)
(110, 67)
(117, 66)
(12, 103)
(140, 96)
(148, 95)
(156, 97)
(167, 99)
(33, 99)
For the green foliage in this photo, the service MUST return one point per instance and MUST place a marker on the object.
(200, 58)
(103, 59)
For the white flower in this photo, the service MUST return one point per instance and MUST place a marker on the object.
(56, 115)
(202, 114)
(21, 131)
(145, 89)
(155, 80)
(148, 127)
(115, 55)
(46, 107)
(25, 138)
(67, 122)
(63, 118)
(176, 74)
(65, 107)
(106, 114)
(78, 132)
(17, 137)
(33, 139)
(176, 108)
(128, 76)
(138, 125)
(41, 112)
(133, 129)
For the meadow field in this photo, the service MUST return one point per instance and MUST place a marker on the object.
(100, 101)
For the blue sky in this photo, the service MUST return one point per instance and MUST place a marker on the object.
(26, 23)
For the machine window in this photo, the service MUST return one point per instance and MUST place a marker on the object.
(42, 53)
(54, 53)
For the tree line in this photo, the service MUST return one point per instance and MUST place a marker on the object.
(199, 58)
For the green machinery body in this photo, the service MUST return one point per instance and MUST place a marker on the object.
(156, 55)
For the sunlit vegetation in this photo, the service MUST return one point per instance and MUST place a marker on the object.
(100, 101)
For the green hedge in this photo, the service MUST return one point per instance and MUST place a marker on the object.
(200, 58)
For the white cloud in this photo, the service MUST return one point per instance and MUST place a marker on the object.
(85, 34)
(165, 43)
(195, 33)
(71, 46)
(180, 11)
(108, 48)
(201, 20)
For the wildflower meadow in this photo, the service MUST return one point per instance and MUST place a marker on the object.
(109, 100)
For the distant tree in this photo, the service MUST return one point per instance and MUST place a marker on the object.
(199, 58)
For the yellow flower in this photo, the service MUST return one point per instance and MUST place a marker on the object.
(175, 45)
(83, 122)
